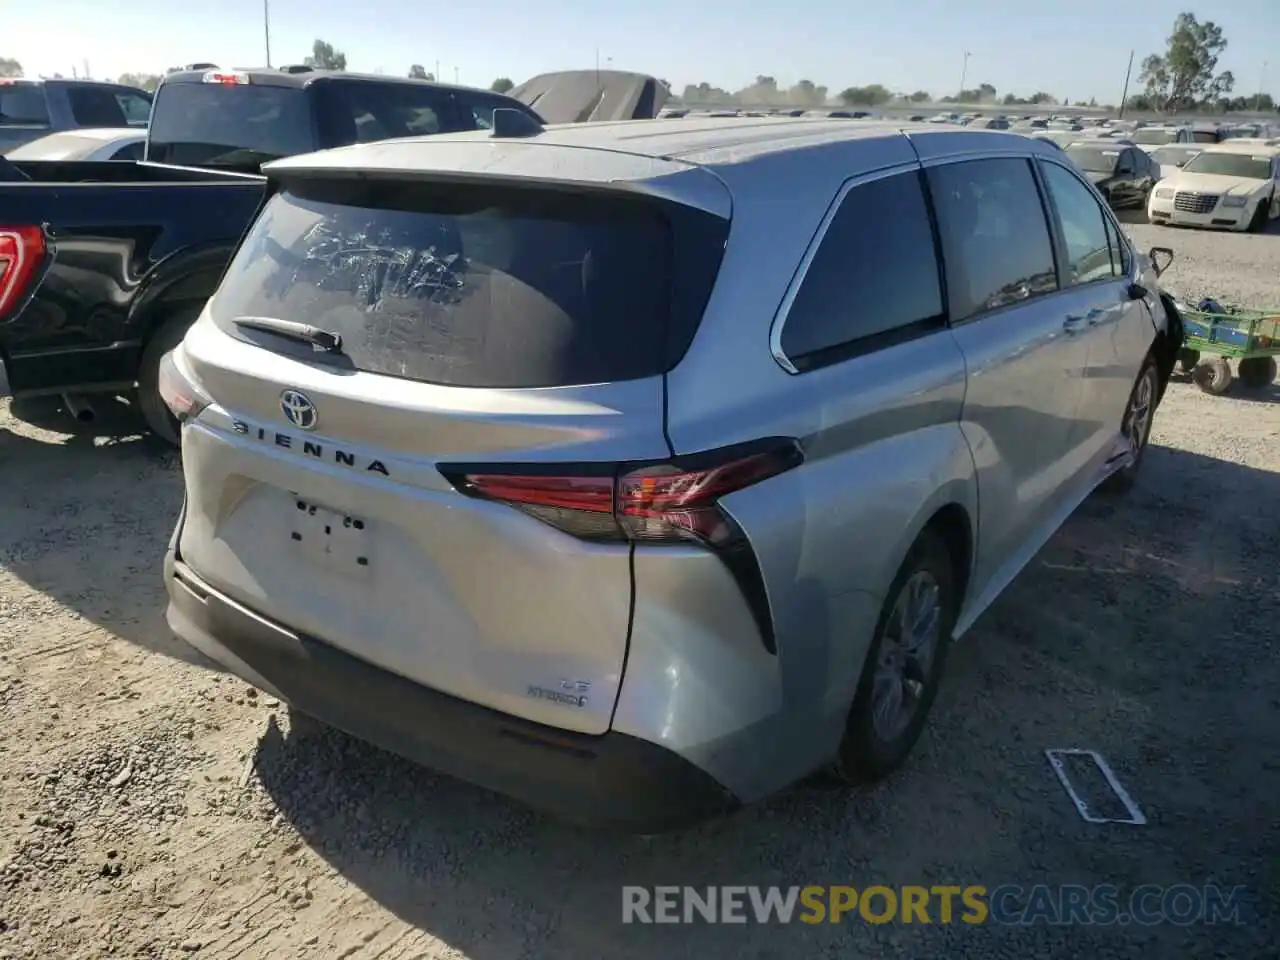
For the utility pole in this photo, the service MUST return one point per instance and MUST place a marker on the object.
(597, 69)
(1262, 82)
(964, 73)
(436, 76)
(266, 27)
(1125, 96)
(455, 76)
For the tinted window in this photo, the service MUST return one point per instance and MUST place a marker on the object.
(361, 112)
(95, 107)
(475, 286)
(22, 104)
(875, 271)
(1094, 159)
(480, 108)
(233, 125)
(1084, 227)
(994, 234)
(1231, 165)
(136, 108)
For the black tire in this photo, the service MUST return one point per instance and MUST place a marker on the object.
(1257, 372)
(1258, 223)
(158, 417)
(865, 754)
(1187, 359)
(1148, 384)
(1212, 375)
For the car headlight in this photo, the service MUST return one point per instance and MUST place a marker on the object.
(1164, 193)
(1234, 200)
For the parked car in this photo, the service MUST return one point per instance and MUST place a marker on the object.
(1124, 175)
(86, 143)
(990, 123)
(113, 301)
(461, 510)
(1156, 136)
(1226, 186)
(1171, 157)
(30, 109)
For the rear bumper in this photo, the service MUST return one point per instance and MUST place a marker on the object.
(611, 781)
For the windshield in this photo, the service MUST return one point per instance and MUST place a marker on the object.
(1094, 159)
(238, 125)
(471, 286)
(1154, 136)
(1231, 165)
(1171, 156)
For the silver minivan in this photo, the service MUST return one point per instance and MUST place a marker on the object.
(638, 470)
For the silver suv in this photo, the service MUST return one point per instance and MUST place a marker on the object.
(637, 470)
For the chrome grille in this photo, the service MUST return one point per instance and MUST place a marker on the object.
(1195, 202)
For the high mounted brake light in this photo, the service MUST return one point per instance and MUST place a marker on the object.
(226, 78)
(667, 502)
(22, 250)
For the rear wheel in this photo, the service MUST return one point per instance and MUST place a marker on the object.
(158, 417)
(904, 665)
(1212, 375)
(1256, 372)
(1135, 427)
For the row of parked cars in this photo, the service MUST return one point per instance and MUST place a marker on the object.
(634, 471)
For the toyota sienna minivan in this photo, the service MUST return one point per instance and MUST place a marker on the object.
(637, 471)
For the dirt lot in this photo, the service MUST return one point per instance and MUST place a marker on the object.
(149, 808)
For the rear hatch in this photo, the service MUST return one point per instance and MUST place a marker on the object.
(485, 328)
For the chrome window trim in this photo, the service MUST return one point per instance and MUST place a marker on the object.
(797, 279)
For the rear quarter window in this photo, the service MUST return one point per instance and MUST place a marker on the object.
(239, 125)
(23, 105)
(475, 286)
(874, 278)
(96, 107)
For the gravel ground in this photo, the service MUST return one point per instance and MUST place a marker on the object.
(149, 808)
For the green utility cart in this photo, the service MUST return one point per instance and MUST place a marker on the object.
(1250, 337)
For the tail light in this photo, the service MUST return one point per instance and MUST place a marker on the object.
(22, 251)
(225, 78)
(673, 501)
(184, 399)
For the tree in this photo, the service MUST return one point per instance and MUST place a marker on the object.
(764, 92)
(984, 93)
(145, 81)
(325, 57)
(705, 93)
(502, 85)
(920, 96)
(418, 72)
(869, 96)
(1185, 75)
(10, 67)
(807, 94)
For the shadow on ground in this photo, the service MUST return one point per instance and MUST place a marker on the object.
(1142, 630)
(88, 510)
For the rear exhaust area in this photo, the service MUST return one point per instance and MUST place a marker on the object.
(79, 407)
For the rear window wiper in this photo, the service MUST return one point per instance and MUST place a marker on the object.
(302, 332)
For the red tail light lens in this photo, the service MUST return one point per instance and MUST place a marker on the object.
(22, 251)
(669, 501)
(183, 398)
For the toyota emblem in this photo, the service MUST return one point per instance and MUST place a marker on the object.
(299, 410)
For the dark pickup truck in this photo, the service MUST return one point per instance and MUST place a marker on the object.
(103, 266)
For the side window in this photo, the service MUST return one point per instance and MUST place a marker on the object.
(95, 107)
(1120, 256)
(137, 109)
(995, 238)
(1083, 226)
(875, 272)
(386, 111)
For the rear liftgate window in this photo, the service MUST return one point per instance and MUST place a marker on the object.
(476, 286)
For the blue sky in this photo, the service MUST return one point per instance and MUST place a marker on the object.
(1073, 48)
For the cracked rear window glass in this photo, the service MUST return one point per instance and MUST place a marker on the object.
(460, 285)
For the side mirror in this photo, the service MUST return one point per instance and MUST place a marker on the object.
(1160, 253)
(1137, 291)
